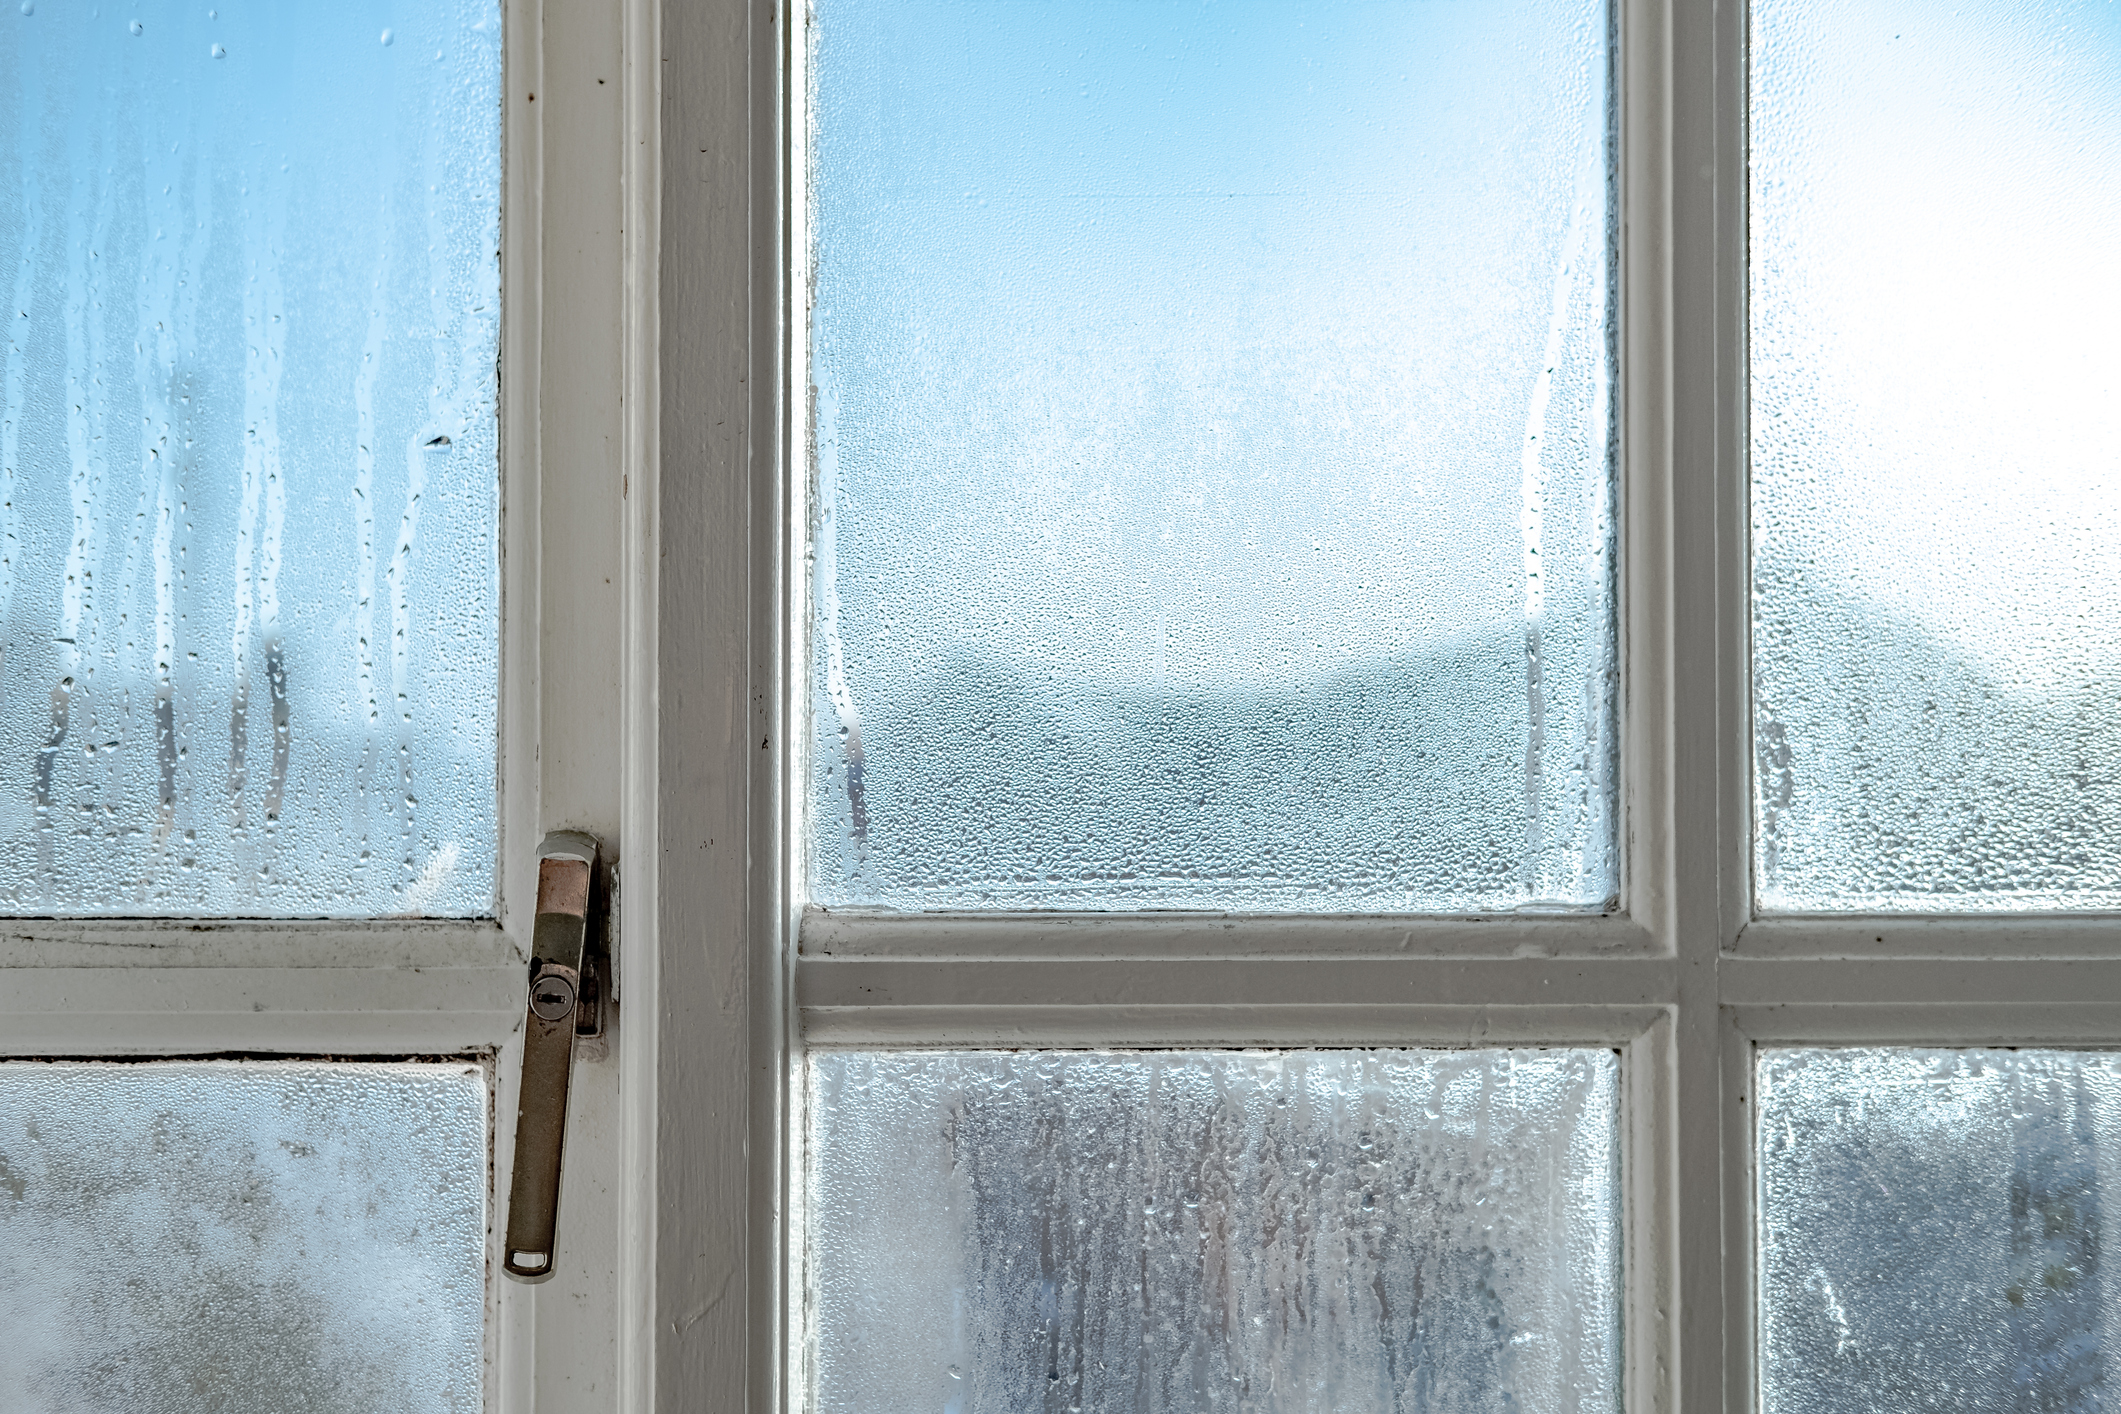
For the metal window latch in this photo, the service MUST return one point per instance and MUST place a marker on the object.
(569, 980)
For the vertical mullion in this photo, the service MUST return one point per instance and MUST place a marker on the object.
(1656, 1242)
(1707, 570)
(1734, 598)
(712, 1003)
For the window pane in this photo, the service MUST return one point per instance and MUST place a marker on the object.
(1384, 1230)
(1930, 1229)
(189, 1237)
(1213, 425)
(248, 474)
(1935, 408)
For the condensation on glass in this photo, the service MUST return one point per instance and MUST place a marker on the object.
(197, 1237)
(248, 457)
(1087, 1233)
(1211, 437)
(1935, 411)
(1931, 1229)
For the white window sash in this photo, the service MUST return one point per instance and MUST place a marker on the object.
(576, 731)
(1683, 980)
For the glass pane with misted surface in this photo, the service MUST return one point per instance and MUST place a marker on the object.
(1931, 1230)
(205, 1237)
(1211, 427)
(1936, 488)
(1089, 1232)
(248, 466)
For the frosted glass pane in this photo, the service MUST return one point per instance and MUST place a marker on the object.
(203, 1238)
(1930, 1230)
(248, 468)
(1935, 411)
(1327, 1231)
(1213, 419)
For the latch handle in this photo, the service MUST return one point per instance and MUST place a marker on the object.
(563, 993)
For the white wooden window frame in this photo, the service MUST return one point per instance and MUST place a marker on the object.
(1684, 980)
(577, 734)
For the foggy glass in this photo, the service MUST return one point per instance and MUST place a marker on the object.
(249, 485)
(207, 1237)
(1211, 429)
(1931, 1229)
(1088, 1233)
(1936, 495)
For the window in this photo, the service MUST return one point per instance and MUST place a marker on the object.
(345, 290)
(1746, 986)
(1762, 924)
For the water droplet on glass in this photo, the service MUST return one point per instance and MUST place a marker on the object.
(386, 36)
(29, 7)
(218, 52)
(134, 26)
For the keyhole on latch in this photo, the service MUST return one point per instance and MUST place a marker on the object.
(553, 998)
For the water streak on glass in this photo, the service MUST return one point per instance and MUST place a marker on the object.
(1931, 1229)
(1086, 1233)
(249, 486)
(202, 1237)
(1212, 425)
(1936, 495)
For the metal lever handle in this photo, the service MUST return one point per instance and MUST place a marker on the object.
(564, 997)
